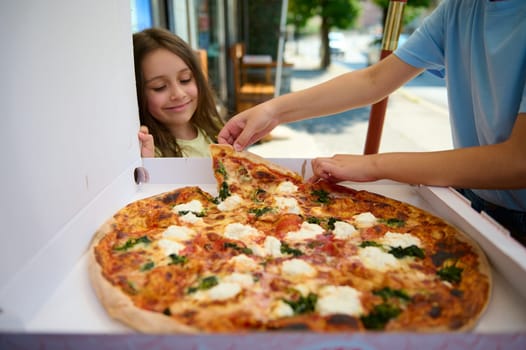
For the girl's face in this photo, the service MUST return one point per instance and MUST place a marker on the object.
(170, 89)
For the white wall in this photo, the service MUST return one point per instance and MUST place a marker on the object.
(68, 115)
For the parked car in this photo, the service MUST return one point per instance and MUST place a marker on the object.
(337, 43)
(375, 46)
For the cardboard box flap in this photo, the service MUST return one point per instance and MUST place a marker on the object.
(505, 253)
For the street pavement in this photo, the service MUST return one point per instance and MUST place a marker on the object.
(417, 117)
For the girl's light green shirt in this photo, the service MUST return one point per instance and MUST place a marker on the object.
(197, 147)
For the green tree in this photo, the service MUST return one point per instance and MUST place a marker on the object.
(334, 14)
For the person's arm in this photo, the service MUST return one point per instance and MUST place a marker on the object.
(146, 141)
(351, 90)
(499, 166)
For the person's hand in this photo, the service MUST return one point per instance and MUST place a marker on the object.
(247, 127)
(146, 140)
(342, 167)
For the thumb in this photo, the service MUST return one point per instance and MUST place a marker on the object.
(144, 129)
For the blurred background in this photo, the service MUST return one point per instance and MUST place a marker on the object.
(289, 45)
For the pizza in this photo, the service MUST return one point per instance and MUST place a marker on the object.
(270, 251)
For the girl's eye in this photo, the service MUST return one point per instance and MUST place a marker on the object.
(159, 88)
(185, 81)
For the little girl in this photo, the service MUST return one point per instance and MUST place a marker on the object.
(177, 108)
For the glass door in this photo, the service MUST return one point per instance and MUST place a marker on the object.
(211, 37)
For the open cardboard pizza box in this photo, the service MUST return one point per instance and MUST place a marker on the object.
(71, 154)
(66, 304)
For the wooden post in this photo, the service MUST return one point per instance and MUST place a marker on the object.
(392, 28)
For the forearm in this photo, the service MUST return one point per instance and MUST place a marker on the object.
(351, 90)
(331, 97)
(486, 167)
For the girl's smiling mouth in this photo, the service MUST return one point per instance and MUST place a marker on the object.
(178, 108)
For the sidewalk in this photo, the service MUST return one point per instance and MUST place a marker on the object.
(411, 124)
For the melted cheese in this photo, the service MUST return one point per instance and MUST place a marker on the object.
(178, 233)
(297, 268)
(241, 232)
(339, 300)
(194, 206)
(365, 220)
(172, 237)
(281, 309)
(227, 288)
(403, 240)
(257, 250)
(271, 247)
(288, 205)
(170, 247)
(306, 231)
(376, 259)
(245, 280)
(223, 291)
(191, 218)
(243, 263)
(230, 203)
(344, 230)
(287, 187)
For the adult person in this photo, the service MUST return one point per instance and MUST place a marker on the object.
(479, 47)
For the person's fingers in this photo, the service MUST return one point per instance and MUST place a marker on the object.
(147, 145)
(225, 135)
(240, 144)
(252, 132)
(230, 132)
(321, 169)
(324, 175)
(319, 163)
(225, 139)
(144, 137)
(244, 139)
(313, 179)
(144, 129)
(242, 131)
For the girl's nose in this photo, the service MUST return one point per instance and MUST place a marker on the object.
(176, 92)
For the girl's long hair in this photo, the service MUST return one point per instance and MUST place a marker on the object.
(206, 116)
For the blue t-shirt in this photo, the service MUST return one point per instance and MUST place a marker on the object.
(479, 47)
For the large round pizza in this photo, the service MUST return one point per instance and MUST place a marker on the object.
(270, 251)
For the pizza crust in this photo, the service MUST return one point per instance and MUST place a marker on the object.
(119, 306)
(485, 269)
